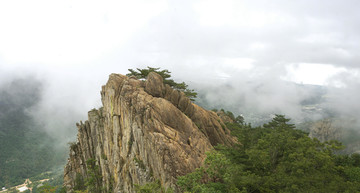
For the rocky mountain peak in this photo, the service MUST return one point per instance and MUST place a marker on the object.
(145, 131)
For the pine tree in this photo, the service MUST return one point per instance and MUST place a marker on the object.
(165, 74)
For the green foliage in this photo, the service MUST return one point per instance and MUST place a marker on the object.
(278, 122)
(92, 182)
(230, 114)
(103, 156)
(214, 110)
(353, 173)
(55, 181)
(239, 119)
(165, 74)
(140, 163)
(152, 187)
(46, 188)
(63, 190)
(79, 182)
(275, 158)
(13, 191)
(94, 178)
(192, 181)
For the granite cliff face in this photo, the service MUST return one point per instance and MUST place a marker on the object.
(344, 130)
(326, 130)
(145, 131)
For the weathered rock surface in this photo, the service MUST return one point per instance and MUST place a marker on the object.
(145, 131)
(345, 130)
(326, 130)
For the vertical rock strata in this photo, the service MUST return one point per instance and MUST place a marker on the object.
(145, 131)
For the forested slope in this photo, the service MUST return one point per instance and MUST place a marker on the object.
(275, 157)
(25, 149)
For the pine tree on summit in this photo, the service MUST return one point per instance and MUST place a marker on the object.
(165, 74)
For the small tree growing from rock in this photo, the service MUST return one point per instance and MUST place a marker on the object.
(165, 74)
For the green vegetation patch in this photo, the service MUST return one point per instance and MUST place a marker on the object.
(275, 157)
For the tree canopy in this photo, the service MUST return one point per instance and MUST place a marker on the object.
(275, 158)
(165, 74)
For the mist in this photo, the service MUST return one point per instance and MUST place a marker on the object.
(345, 98)
(254, 58)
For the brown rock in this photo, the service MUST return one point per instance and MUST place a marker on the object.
(143, 132)
(154, 85)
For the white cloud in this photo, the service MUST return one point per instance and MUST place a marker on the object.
(234, 13)
(311, 73)
(257, 46)
(69, 32)
(76, 44)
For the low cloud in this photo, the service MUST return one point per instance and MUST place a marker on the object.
(238, 50)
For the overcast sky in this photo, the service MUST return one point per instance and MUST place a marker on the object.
(74, 45)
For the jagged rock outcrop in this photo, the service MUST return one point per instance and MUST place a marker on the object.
(224, 117)
(145, 131)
